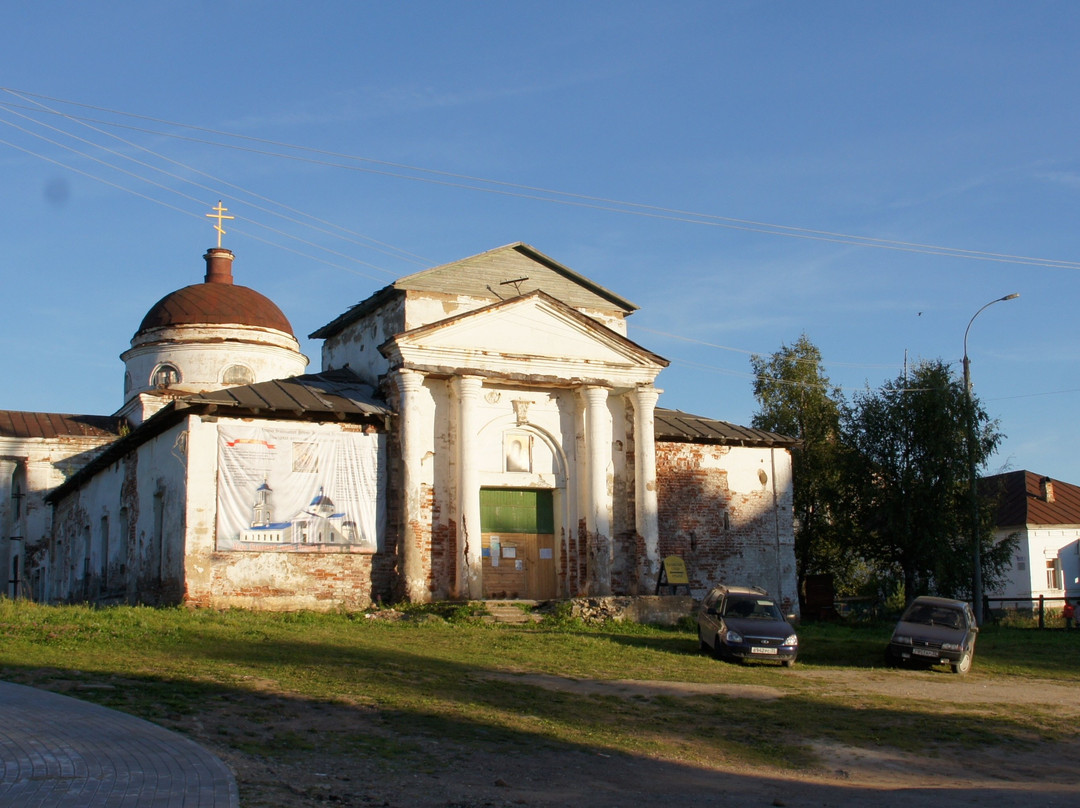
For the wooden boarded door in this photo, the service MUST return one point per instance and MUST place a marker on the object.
(518, 540)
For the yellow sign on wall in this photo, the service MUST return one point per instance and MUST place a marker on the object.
(675, 571)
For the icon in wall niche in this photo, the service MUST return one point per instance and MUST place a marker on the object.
(517, 449)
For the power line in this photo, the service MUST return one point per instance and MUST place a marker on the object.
(452, 179)
(469, 182)
(215, 190)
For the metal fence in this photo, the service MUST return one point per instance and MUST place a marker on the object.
(1035, 605)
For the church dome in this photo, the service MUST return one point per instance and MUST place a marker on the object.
(206, 337)
(216, 301)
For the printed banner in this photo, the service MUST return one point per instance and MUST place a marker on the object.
(299, 489)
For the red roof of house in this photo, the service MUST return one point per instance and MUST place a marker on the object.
(1023, 499)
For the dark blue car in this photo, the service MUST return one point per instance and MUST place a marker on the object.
(743, 623)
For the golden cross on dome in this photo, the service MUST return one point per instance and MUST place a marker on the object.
(219, 214)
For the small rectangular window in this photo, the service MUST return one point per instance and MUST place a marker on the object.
(1053, 573)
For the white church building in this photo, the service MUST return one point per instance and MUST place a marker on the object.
(481, 429)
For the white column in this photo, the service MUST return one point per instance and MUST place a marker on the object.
(645, 496)
(598, 515)
(413, 538)
(470, 570)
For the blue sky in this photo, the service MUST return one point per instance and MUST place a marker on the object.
(722, 165)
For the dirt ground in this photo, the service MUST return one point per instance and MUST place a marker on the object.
(1042, 774)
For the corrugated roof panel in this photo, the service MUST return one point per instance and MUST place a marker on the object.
(335, 391)
(19, 424)
(682, 426)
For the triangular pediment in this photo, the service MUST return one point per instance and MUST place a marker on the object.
(532, 335)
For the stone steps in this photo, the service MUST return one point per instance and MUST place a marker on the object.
(509, 611)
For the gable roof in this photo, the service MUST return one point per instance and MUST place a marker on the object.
(496, 275)
(335, 394)
(17, 424)
(1021, 500)
(682, 427)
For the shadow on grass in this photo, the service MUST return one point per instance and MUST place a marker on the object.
(334, 759)
(398, 713)
(389, 703)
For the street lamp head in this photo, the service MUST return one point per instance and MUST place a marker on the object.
(1013, 296)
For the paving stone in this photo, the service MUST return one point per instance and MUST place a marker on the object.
(60, 752)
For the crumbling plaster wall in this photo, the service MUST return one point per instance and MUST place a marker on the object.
(121, 534)
(41, 464)
(357, 346)
(165, 494)
(727, 511)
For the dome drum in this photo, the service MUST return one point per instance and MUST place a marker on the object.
(211, 335)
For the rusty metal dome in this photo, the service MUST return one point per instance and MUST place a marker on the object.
(216, 301)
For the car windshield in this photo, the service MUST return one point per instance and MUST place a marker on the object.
(929, 615)
(752, 608)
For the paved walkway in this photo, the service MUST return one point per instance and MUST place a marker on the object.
(59, 752)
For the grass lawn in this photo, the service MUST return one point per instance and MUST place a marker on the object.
(387, 691)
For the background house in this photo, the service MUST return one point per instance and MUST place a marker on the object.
(1045, 514)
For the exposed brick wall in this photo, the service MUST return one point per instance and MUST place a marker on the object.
(330, 580)
(725, 536)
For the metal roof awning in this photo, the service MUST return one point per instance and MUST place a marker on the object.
(675, 425)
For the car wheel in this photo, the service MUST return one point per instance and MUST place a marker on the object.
(788, 663)
(962, 665)
(718, 649)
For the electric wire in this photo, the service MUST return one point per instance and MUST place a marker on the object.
(561, 197)
(579, 200)
(203, 187)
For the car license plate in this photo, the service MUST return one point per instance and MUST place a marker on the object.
(924, 652)
(759, 650)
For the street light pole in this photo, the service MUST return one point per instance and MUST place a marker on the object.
(976, 539)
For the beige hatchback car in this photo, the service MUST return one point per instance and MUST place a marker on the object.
(934, 631)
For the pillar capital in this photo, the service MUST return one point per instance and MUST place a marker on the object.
(408, 380)
(645, 397)
(468, 386)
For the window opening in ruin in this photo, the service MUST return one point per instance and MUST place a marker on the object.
(166, 375)
(238, 374)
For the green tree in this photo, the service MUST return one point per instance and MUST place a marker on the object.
(795, 398)
(911, 481)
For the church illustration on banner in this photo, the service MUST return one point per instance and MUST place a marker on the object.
(316, 527)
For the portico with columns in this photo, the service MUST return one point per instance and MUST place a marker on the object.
(527, 456)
